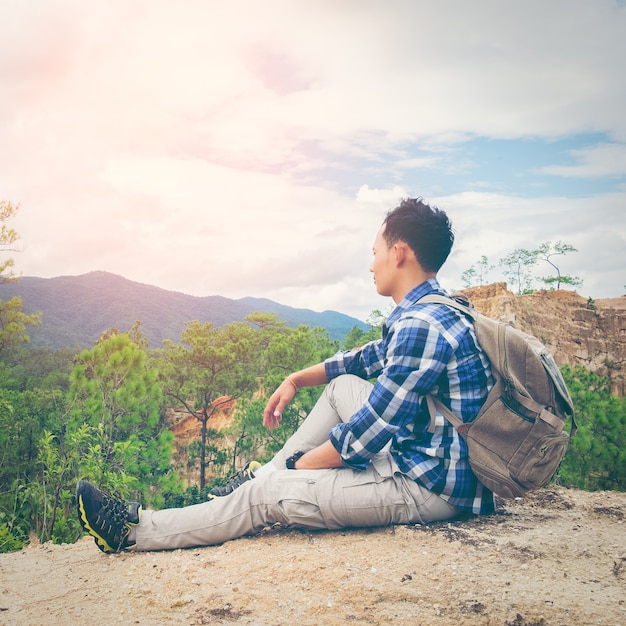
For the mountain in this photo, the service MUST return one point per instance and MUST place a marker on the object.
(76, 310)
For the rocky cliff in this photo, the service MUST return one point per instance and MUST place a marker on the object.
(576, 330)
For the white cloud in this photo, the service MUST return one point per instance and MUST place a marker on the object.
(605, 159)
(246, 148)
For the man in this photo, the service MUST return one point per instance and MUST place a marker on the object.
(365, 455)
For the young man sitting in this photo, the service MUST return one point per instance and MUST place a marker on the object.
(365, 455)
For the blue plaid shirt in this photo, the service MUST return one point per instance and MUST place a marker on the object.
(425, 348)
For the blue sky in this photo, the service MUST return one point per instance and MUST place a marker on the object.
(522, 166)
(253, 148)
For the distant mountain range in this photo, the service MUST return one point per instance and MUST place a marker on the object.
(76, 310)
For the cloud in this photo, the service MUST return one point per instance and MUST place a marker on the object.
(494, 225)
(253, 148)
(606, 159)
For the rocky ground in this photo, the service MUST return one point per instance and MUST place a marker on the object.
(557, 557)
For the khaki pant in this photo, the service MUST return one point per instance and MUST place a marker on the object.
(317, 499)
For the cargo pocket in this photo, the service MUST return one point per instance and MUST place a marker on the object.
(297, 498)
(362, 499)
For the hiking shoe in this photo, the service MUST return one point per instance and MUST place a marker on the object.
(242, 476)
(106, 518)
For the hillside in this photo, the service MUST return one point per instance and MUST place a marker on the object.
(76, 310)
(556, 558)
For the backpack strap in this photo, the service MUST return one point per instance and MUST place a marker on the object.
(433, 403)
(460, 304)
(540, 410)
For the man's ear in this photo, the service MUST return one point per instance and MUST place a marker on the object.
(400, 251)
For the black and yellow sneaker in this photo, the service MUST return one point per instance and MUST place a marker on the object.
(243, 475)
(106, 518)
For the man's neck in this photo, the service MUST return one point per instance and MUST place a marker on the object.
(410, 282)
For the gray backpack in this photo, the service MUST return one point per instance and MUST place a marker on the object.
(517, 441)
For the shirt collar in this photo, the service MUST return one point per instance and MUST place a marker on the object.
(429, 286)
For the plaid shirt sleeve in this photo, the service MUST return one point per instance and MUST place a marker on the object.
(407, 362)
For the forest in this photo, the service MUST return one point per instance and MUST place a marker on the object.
(102, 413)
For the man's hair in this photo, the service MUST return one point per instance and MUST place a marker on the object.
(426, 230)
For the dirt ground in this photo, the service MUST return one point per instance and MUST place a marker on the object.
(557, 557)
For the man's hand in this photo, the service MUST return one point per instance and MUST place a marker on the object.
(278, 401)
(309, 377)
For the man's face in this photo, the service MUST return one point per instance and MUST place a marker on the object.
(383, 265)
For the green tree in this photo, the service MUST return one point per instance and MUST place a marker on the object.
(596, 458)
(59, 461)
(289, 350)
(23, 417)
(357, 337)
(477, 273)
(468, 277)
(32, 398)
(546, 252)
(115, 390)
(518, 266)
(40, 368)
(13, 321)
(33, 386)
(8, 238)
(209, 369)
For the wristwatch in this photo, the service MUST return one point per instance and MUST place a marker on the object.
(290, 463)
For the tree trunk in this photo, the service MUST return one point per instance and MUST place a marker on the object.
(203, 454)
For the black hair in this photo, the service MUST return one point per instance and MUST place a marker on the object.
(426, 230)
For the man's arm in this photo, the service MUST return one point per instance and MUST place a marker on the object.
(309, 377)
(322, 457)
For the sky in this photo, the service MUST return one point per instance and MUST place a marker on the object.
(253, 148)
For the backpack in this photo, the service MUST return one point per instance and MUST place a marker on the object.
(516, 442)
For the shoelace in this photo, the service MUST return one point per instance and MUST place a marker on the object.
(117, 512)
(240, 477)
